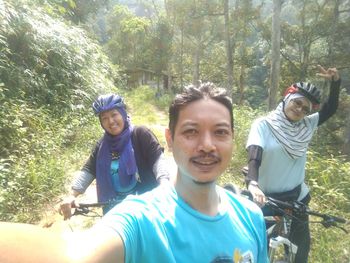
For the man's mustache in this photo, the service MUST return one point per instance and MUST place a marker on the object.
(206, 156)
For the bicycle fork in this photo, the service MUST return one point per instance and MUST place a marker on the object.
(281, 240)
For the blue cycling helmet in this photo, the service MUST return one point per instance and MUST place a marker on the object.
(107, 102)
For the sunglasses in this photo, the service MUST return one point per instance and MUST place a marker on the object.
(299, 104)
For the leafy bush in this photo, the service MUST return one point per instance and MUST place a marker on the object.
(48, 65)
(243, 118)
(49, 72)
(329, 180)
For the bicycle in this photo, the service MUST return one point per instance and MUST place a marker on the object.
(281, 249)
(278, 233)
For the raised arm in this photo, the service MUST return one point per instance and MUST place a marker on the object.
(331, 105)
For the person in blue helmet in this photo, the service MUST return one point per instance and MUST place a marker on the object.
(127, 159)
(277, 149)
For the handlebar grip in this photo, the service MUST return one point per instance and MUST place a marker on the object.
(327, 217)
(338, 219)
(92, 204)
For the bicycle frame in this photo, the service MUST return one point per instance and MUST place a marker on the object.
(278, 239)
(278, 234)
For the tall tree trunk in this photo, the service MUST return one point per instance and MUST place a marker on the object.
(229, 61)
(241, 84)
(331, 44)
(196, 61)
(333, 36)
(306, 42)
(181, 58)
(346, 145)
(275, 53)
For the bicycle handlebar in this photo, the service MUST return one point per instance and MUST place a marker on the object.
(83, 208)
(90, 205)
(301, 208)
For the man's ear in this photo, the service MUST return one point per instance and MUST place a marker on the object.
(169, 139)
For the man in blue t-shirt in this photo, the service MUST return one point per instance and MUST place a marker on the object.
(193, 220)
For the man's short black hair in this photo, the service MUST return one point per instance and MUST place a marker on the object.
(192, 93)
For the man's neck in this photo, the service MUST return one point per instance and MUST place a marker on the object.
(201, 197)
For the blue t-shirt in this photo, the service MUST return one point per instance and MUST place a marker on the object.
(278, 171)
(160, 227)
(116, 180)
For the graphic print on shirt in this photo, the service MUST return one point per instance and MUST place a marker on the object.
(238, 257)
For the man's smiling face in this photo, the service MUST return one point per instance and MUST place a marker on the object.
(203, 141)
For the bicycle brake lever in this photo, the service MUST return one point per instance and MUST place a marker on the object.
(81, 211)
(342, 228)
(329, 223)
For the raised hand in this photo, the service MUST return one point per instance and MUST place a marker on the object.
(328, 74)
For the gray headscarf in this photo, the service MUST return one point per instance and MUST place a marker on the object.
(293, 136)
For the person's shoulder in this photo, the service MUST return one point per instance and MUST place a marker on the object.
(259, 122)
(97, 144)
(313, 118)
(243, 203)
(141, 129)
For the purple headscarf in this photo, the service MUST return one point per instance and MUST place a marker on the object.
(122, 145)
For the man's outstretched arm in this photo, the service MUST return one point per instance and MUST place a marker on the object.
(32, 244)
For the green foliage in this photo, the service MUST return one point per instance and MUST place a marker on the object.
(29, 185)
(46, 68)
(76, 11)
(243, 118)
(329, 180)
(331, 135)
(159, 49)
(128, 37)
(46, 61)
(49, 74)
(146, 108)
(36, 173)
